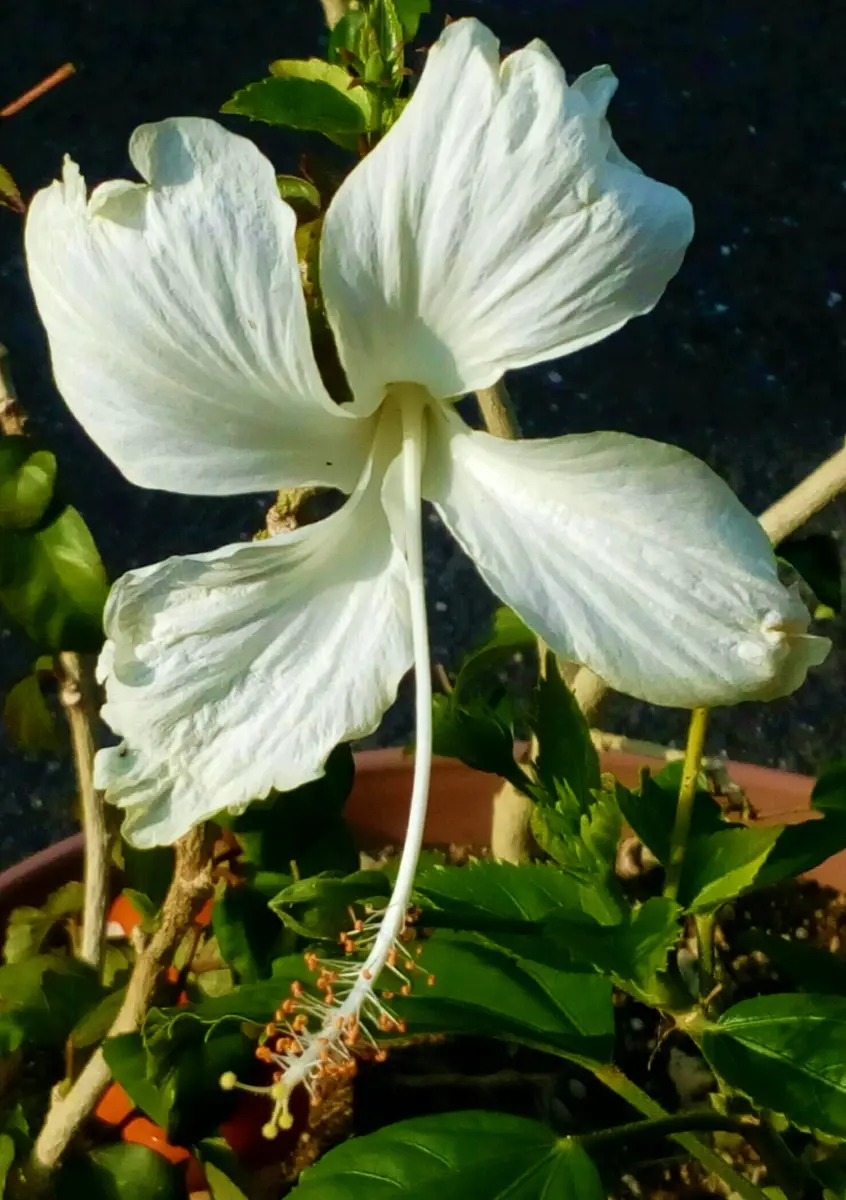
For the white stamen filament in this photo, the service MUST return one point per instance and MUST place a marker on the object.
(362, 995)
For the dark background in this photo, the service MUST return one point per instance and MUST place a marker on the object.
(739, 104)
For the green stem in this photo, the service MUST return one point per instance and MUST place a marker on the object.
(705, 926)
(687, 795)
(618, 1082)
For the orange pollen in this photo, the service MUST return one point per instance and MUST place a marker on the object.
(405, 990)
(263, 1054)
(430, 981)
(297, 989)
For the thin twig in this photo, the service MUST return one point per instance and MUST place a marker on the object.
(191, 884)
(779, 521)
(12, 419)
(58, 76)
(77, 698)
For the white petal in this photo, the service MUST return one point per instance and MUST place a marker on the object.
(626, 555)
(495, 226)
(177, 323)
(232, 673)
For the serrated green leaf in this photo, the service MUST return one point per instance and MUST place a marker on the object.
(410, 12)
(483, 990)
(28, 719)
(786, 1052)
(249, 1002)
(501, 895)
(316, 70)
(224, 1172)
(389, 41)
(720, 866)
(566, 753)
(123, 1171)
(53, 585)
(455, 1156)
(9, 194)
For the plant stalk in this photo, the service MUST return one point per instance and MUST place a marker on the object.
(76, 696)
(619, 1083)
(687, 794)
(511, 838)
(191, 884)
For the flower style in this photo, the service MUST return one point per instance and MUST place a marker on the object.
(495, 226)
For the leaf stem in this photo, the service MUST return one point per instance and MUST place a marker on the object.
(76, 686)
(619, 1083)
(687, 795)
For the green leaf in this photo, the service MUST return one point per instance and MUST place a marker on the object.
(540, 913)
(27, 928)
(566, 754)
(250, 1002)
(583, 841)
(475, 733)
(801, 848)
(816, 557)
(134, 1068)
(650, 810)
(719, 866)
(495, 895)
(302, 195)
(305, 826)
(220, 1185)
(9, 194)
(308, 94)
(29, 721)
(455, 1156)
(809, 968)
(506, 636)
(27, 480)
(53, 585)
(43, 998)
(346, 41)
(94, 1025)
(829, 794)
(247, 933)
(7, 1157)
(483, 990)
(123, 1171)
(318, 907)
(410, 12)
(786, 1052)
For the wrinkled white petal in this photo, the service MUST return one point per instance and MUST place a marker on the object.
(232, 673)
(628, 556)
(496, 225)
(177, 324)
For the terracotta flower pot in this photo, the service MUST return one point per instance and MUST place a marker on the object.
(460, 811)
